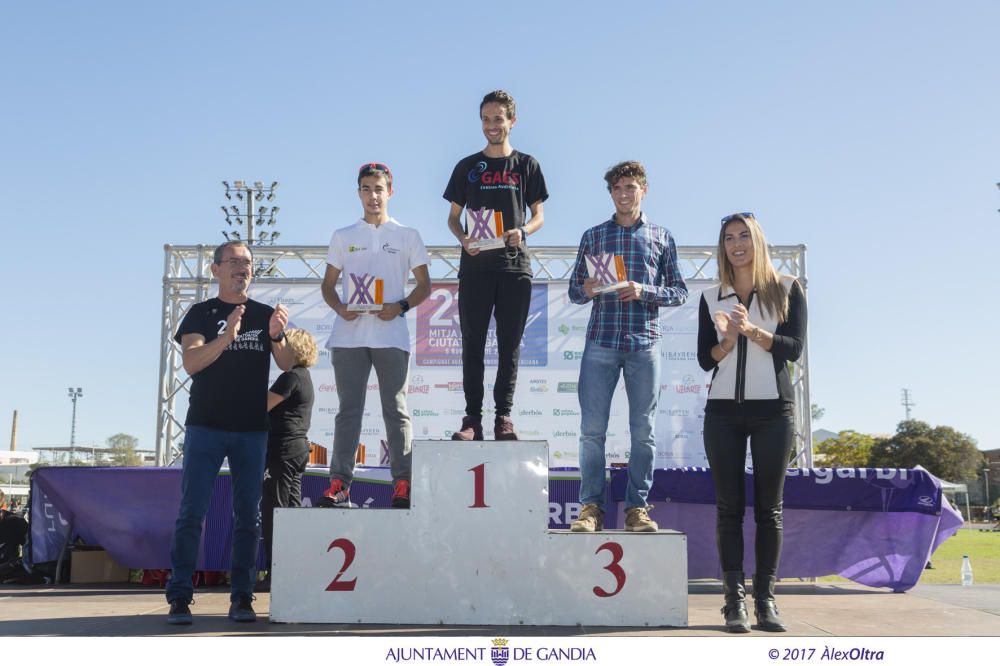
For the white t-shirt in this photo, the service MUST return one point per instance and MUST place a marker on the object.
(389, 252)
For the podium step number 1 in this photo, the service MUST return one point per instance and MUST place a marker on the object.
(472, 549)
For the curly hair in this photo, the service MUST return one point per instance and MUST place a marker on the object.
(303, 346)
(503, 98)
(629, 169)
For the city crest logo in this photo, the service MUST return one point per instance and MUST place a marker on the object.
(499, 653)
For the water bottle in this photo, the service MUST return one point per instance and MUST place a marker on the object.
(966, 571)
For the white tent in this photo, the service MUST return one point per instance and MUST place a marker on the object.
(952, 489)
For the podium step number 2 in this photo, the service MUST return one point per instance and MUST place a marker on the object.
(472, 549)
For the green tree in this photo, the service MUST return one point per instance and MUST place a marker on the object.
(816, 411)
(942, 451)
(847, 449)
(122, 450)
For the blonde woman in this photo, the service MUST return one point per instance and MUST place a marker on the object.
(289, 405)
(750, 328)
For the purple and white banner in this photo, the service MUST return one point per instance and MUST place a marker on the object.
(874, 526)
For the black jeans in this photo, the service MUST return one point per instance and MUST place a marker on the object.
(726, 447)
(507, 298)
(282, 488)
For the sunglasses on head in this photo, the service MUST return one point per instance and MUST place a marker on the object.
(374, 166)
(730, 218)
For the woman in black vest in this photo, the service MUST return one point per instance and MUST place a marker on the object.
(289, 406)
(750, 329)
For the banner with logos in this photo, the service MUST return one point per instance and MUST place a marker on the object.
(545, 405)
(876, 527)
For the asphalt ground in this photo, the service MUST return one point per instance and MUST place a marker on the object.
(809, 609)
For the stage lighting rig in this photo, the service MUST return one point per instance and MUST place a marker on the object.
(264, 215)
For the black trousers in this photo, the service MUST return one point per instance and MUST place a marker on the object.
(771, 439)
(282, 488)
(506, 297)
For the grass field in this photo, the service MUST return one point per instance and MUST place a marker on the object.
(983, 549)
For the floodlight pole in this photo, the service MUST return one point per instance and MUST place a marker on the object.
(249, 218)
(907, 402)
(74, 394)
(254, 192)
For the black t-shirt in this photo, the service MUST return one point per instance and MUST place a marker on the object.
(231, 393)
(290, 418)
(507, 184)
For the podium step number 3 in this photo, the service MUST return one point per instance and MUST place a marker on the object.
(472, 549)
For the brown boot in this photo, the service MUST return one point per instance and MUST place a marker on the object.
(503, 429)
(472, 430)
(637, 520)
(591, 519)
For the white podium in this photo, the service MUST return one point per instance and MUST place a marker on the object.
(473, 548)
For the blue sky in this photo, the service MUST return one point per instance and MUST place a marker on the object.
(867, 131)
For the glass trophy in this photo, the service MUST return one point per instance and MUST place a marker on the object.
(599, 267)
(364, 293)
(485, 228)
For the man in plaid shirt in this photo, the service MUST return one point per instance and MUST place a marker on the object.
(623, 339)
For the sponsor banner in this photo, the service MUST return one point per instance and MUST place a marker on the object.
(876, 527)
(439, 333)
(546, 405)
(18, 458)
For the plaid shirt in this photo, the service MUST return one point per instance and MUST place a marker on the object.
(650, 259)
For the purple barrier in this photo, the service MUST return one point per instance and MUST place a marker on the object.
(870, 526)
(877, 527)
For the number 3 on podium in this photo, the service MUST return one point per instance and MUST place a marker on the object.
(616, 556)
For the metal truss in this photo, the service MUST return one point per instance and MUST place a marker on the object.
(187, 279)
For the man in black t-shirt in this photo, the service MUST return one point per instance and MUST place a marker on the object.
(228, 342)
(494, 186)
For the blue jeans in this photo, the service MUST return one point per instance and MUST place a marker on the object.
(599, 372)
(204, 451)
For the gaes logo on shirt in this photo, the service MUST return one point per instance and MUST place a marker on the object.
(355, 248)
(479, 173)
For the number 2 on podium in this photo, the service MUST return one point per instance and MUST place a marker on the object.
(337, 585)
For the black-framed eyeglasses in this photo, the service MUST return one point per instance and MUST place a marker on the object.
(374, 166)
(730, 218)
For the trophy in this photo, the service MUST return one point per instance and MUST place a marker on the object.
(599, 268)
(486, 227)
(364, 293)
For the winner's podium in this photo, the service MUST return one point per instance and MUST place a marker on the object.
(473, 548)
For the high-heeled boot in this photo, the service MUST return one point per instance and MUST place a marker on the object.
(735, 610)
(764, 608)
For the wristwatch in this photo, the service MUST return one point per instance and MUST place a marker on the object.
(281, 336)
(404, 307)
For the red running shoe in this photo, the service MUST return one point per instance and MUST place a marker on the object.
(401, 495)
(337, 496)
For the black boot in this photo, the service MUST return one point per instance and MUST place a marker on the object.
(735, 610)
(764, 608)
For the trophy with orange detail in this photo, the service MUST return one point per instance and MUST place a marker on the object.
(599, 268)
(485, 228)
(364, 293)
